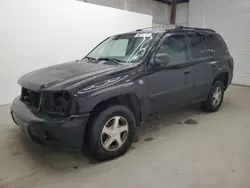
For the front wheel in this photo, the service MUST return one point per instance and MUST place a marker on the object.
(215, 97)
(111, 133)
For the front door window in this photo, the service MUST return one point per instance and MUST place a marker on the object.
(175, 47)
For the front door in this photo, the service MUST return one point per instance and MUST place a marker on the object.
(170, 84)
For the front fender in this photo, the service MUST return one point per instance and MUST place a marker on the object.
(87, 101)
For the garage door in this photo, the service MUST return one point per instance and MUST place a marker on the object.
(230, 18)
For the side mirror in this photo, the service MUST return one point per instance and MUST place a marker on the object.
(160, 60)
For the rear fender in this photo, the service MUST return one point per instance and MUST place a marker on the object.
(223, 69)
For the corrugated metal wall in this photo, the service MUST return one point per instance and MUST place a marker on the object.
(230, 18)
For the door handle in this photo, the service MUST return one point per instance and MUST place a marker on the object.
(187, 71)
(213, 64)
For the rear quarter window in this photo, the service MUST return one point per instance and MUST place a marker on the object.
(214, 42)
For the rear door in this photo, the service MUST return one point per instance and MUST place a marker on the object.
(203, 76)
(217, 52)
(170, 85)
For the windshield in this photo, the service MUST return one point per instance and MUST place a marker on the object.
(124, 48)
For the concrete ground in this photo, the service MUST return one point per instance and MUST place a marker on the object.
(215, 153)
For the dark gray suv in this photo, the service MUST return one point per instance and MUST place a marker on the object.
(97, 102)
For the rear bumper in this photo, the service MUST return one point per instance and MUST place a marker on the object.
(231, 78)
(66, 133)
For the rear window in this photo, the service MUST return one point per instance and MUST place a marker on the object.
(214, 42)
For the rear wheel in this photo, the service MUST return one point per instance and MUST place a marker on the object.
(215, 97)
(111, 133)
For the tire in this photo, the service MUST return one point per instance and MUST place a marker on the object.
(97, 138)
(210, 105)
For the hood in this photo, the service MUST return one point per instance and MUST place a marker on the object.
(62, 75)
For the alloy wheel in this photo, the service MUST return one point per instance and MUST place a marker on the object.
(114, 133)
(217, 96)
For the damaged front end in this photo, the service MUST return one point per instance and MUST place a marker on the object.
(58, 103)
(50, 118)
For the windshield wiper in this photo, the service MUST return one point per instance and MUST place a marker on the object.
(117, 61)
(89, 58)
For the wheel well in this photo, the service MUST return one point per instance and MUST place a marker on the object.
(223, 77)
(129, 100)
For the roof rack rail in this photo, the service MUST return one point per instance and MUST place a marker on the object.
(170, 26)
(160, 26)
(195, 28)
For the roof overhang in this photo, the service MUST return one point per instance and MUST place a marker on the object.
(170, 1)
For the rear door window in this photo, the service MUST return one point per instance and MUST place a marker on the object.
(196, 46)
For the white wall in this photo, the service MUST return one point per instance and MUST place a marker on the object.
(197, 13)
(40, 33)
(161, 13)
(182, 14)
